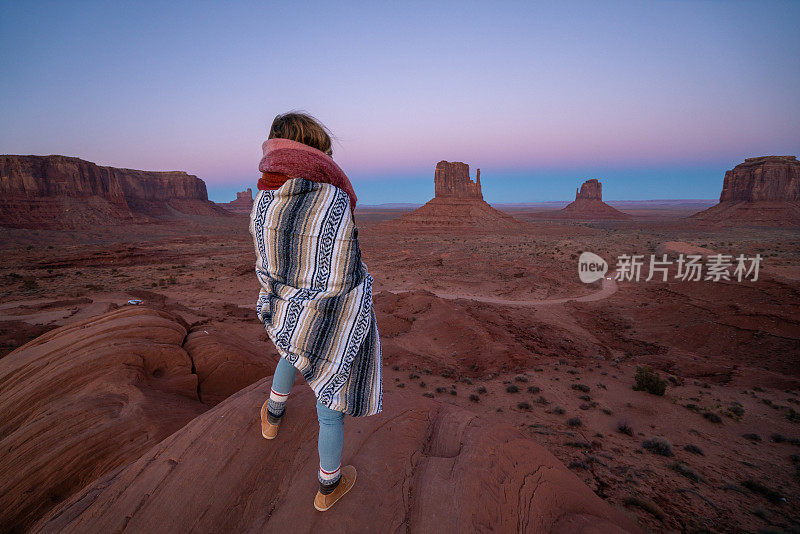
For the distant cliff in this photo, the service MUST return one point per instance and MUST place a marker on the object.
(763, 178)
(762, 191)
(243, 204)
(458, 204)
(62, 191)
(588, 205)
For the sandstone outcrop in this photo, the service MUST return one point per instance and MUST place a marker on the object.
(85, 399)
(589, 205)
(590, 190)
(243, 204)
(67, 192)
(763, 191)
(224, 363)
(458, 203)
(423, 466)
(451, 179)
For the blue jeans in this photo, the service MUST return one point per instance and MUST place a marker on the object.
(331, 422)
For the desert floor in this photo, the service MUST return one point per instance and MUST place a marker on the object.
(499, 324)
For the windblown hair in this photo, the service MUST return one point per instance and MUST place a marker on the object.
(303, 128)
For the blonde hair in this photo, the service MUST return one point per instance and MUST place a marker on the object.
(303, 128)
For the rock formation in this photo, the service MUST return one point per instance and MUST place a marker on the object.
(224, 363)
(243, 204)
(588, 205)
(590, 190)
(763, 191)
(458, 203)
(452, 180)
(423, 466)
(84, 399)
(67, 192)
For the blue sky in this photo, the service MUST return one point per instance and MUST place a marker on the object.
(656, 99)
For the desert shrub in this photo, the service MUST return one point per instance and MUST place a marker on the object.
(736, 411)
(780, 438)
(585, 398)
(752, 436)
(441, 390)
(534, 389)
(412, 376)
(400, 385)
(581, 387)
(521, 378)
(685, 470)
(481, 390)
(578, 465)
(714, 418)
(793, 415)
(693, 407)
(607, 411)
(422, 384)
(30, 284)
(541, 400)
(574, 421)
(624, 427)
(558, 410)
(453, 392)
(757, 487)
(645, 504)
(658, 445)
(428, 394)
(649, 380)
(579, 444)
(474, 398)
(512, 389)
(694, 449)
(524, 405)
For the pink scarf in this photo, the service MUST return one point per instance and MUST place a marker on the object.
(296, 160)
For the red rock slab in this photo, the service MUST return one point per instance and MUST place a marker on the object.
(225, 363)
(84, 399)
(423, 466)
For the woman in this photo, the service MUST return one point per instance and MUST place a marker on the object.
(316, 295)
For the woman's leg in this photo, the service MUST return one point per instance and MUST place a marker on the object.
(331, 440)
(282, 382)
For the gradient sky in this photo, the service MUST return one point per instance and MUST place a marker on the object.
(655, 99)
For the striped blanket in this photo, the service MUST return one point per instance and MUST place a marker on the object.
(316, 295)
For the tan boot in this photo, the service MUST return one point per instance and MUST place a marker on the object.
(268, 430)
(323, 502)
